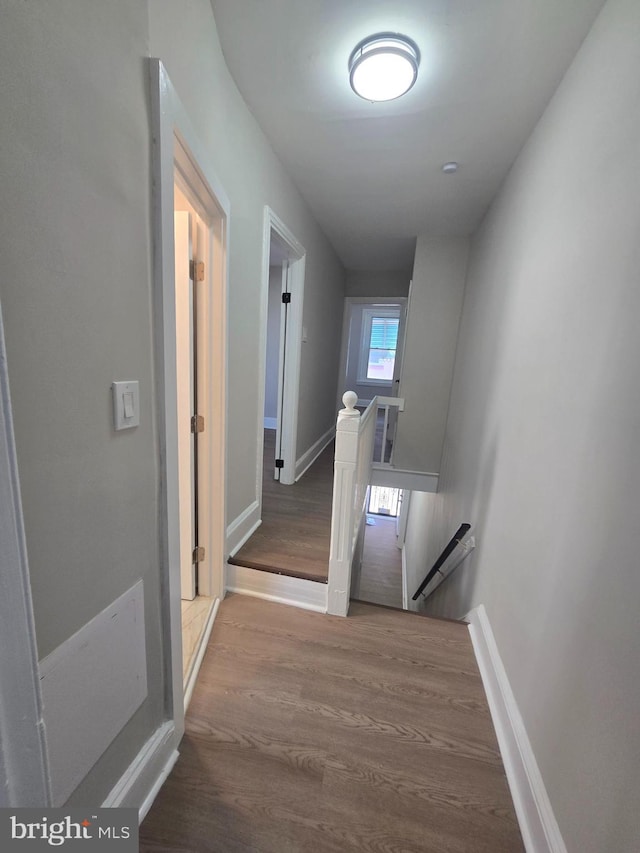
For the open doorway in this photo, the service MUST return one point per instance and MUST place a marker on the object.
(199, 288)
(183, 178)
(283, 292)
(191, 244)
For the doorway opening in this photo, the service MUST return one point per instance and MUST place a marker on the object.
(283, 294)
(199, 361)
(193, 345)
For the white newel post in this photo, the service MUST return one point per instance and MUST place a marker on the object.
(342, 513)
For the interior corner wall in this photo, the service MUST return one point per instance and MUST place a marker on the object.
(76, 297)
(184, 37)
(541, 452)
(417, 541)
(378, 283)
(433, 317)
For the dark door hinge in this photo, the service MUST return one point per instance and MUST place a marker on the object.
(279, 463)
(286, 298)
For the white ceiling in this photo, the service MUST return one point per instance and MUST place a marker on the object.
(371, 173)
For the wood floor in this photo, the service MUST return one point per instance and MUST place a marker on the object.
(295, 533)
(315, 734)
(381, 573)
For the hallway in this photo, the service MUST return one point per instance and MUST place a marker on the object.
(295, 533)
(309, 732)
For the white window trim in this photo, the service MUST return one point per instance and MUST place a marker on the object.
(367, 318)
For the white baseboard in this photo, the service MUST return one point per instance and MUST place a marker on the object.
(197, 661)
(296, 592)
(270, 423)
(307, 459)
(139, 784)
(540, 831)
(405, 580)
(242, 527)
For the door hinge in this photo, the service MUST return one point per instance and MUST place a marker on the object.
(197, 423)
(196, 270)
(279, 463)
(198, 554)
(286, 298)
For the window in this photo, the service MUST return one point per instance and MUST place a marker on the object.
(378, 347)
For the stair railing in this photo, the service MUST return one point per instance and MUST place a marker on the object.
(390, 406)
(450, 547)
(355, 437)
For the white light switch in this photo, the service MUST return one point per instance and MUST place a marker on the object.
(126, 405)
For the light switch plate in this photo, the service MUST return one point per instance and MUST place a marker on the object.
(126, 404)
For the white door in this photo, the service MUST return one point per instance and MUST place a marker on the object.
(284, 317)
(185, 381)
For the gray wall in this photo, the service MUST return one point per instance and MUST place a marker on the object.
(252, 176)
(435, 304)
(541, 452)
(76, 297)
(377, 283)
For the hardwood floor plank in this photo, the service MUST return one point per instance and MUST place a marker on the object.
(312, 733)
(380, 579)
(295, 533)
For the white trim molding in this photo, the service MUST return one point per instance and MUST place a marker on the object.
(307, 459)
(540, 831)
(174, 139)
(405, 583)
(146, 774)
(194, 669)
(24, 768)
(242, 527)
(297, 592)
(290, 349)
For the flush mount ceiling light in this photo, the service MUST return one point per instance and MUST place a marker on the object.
(383, 67)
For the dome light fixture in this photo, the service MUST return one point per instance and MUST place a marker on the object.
(384, 66)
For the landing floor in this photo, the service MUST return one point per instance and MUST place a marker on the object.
(309, 732)
(295, 533)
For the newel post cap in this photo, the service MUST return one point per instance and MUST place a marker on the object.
(349, 398)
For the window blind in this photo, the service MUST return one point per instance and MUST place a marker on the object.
(384, 333)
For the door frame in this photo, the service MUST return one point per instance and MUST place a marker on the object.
(24, 774)
(290, 350)
(175, 143)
